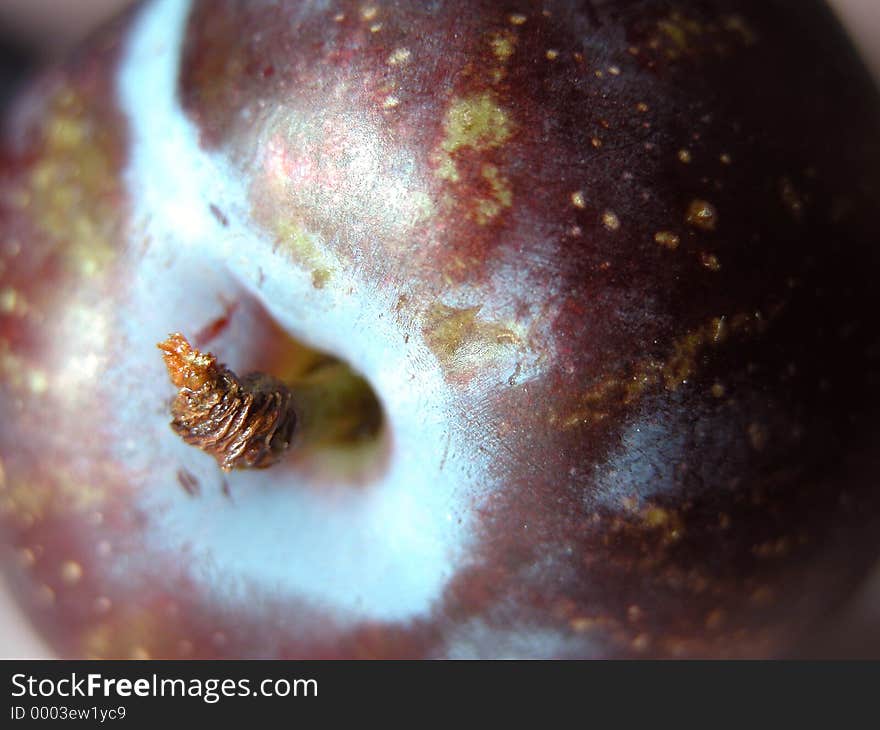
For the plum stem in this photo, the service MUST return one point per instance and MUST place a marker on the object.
(245, 422)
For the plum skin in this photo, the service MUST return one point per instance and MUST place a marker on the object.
(635, 238)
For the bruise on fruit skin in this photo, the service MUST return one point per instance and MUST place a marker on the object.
(242, 422)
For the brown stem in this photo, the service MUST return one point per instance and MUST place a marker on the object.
(245, 422)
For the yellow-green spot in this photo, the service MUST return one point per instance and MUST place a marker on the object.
(462, 341)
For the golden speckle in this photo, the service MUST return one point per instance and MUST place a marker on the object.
(758, 436)
(596, 142)
(503, 45)
(684, 156)
(710, 261)
(641, 107)
(614, 70)
(37, 382)
(26, 558)
(738, 25)
(581, 625)
(477, 122)
(8, 299)
(45, 595)
(71, 572)
(577, 200)
(667, 239)
(339, 17)
(718, 390)
(610, 220)
(369, 12)
(375, 28)
(102, 604)
(598, 74)
(399, 56)
(725, 158)
(762, 596)
(488, 208)
(791, 198)
(552, 54)
(390, 102)
(715, 619)
(702, 214)
(517, 19)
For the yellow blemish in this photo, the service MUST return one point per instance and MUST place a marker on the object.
(369, 12)
(725, 158)
(503, 45)
(737, 24)
(641, 107)
(127, 635)
(667, 239)
(45, 595)
(684, 156)
(702, 214)
(320, 277)
(399, 57)
(610, 220)
(596, 142)
(710, 261)
(300, 245)
(682, 361)
(552, 54)
(517, 19)
(614, 70)
(578, 200)
(27, 558)
(791, 198)
(477, 122)
(758, 436)
(501, 195)
(390, 102)
(71, 572)
(718, 390)
(73, 187)
(37, 382)
(461, 341)
(681, 30)
(12, 302)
